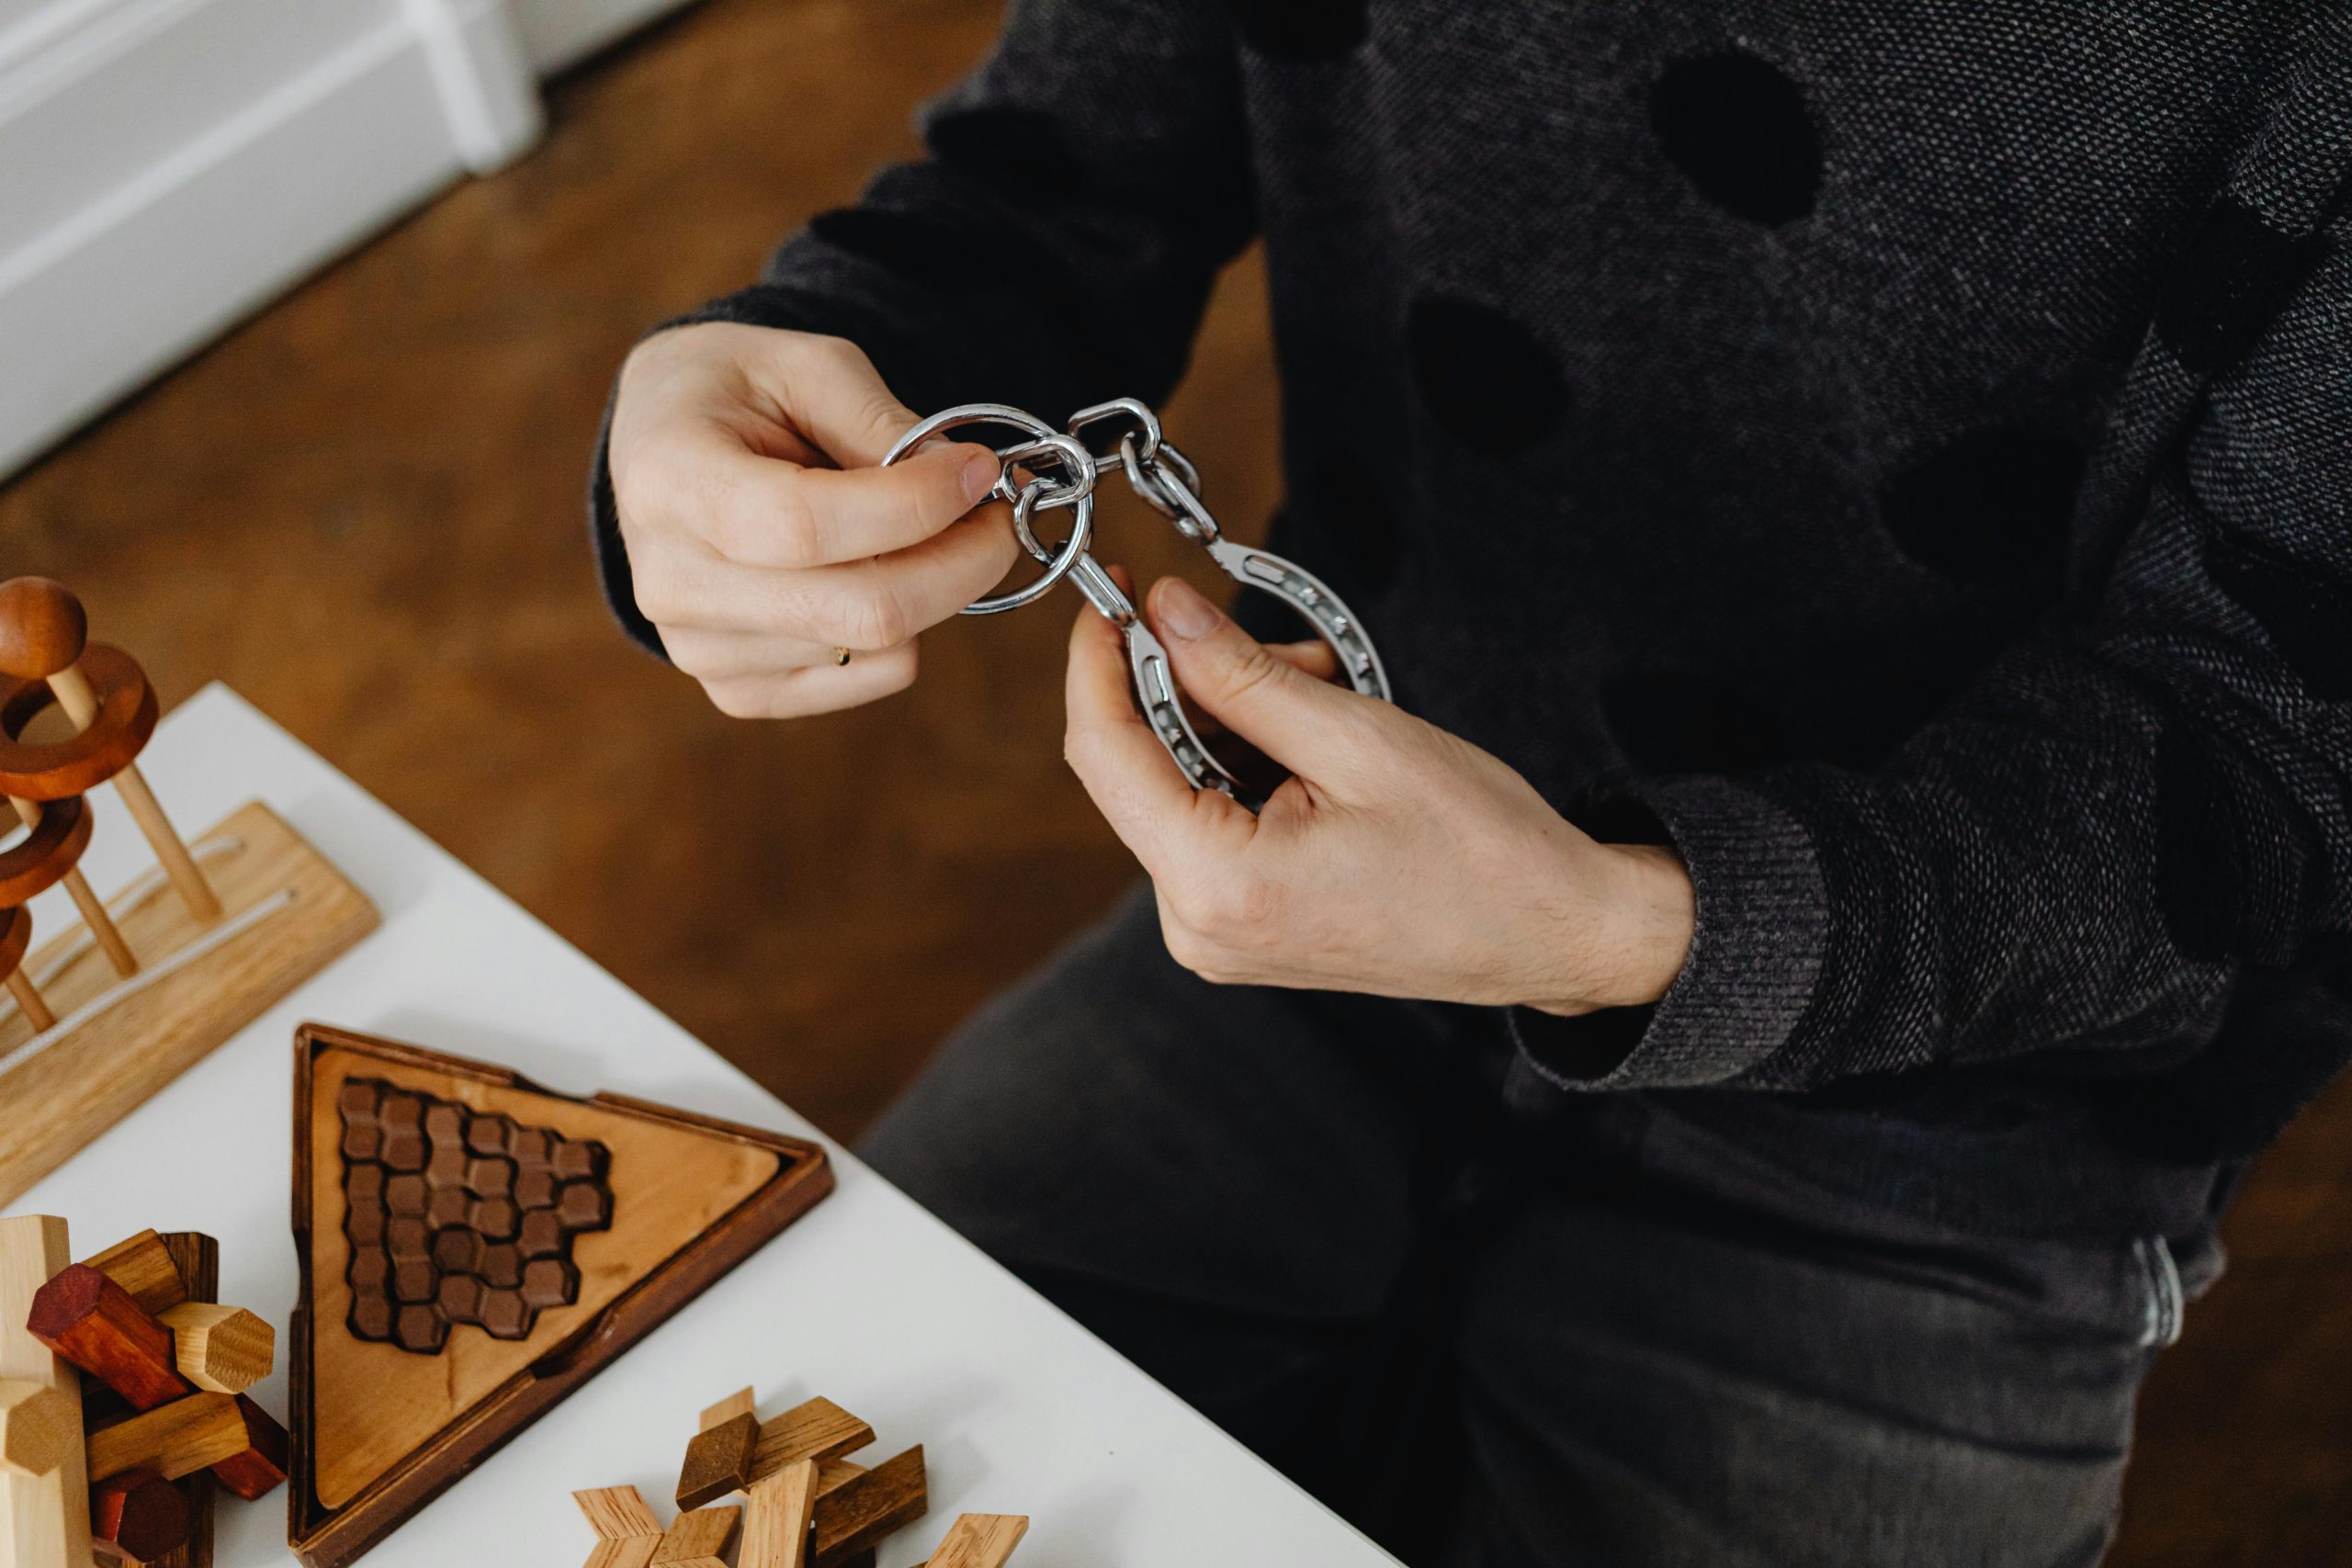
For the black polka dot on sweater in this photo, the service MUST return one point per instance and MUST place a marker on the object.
(1301, 29)
(1487, 379)
(2308, 615)
(1670, 722)
(1010, 144)
(1994, 504)
(1738, 128)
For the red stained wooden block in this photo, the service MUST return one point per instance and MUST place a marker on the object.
(255, 1473)
(140, 1513)
(94, 1322)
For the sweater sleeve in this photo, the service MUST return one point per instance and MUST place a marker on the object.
(2125, 816)
(1057, 247)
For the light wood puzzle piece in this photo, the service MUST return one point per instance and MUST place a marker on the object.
(379, 1428)
(44, 1518)
(699, 1539)
(980, 1540)
(779, 1518)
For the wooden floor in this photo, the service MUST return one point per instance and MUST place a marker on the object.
(362, 509)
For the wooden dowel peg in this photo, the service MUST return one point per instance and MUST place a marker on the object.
(103, 930)
(171, 851)
(29, 1002)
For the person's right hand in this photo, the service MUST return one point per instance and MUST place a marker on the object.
(763, 539)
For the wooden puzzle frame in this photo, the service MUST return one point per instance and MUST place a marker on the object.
(326, 1537)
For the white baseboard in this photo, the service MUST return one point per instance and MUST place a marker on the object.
(167, 167)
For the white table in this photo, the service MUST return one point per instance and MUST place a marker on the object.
(867, 1299)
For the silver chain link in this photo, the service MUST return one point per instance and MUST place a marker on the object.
(1063, 472)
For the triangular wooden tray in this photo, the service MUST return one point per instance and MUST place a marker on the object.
(379, 1430)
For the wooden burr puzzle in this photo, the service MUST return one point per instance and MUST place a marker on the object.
(472, 1248)
(806, 1505)
(123, 1407)
(110, 1010)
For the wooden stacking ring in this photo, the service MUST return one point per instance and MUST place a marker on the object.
(16, 937)
(126, 718)
(48, 853)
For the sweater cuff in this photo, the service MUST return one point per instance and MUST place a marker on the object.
(764, 305)
(1756, 954)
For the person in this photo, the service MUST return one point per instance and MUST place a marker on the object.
(1742, 1062)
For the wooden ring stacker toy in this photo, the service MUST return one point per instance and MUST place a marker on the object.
(46, 656)
(96, 1030)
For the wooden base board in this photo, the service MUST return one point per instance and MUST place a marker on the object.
(286, 912)
(379, 1430)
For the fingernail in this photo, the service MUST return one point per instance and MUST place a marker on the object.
(1183, 613)
(980, 472)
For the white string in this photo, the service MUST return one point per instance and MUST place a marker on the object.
(123, 990)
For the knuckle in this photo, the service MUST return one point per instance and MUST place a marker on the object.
(876, 618)
(1250, 672)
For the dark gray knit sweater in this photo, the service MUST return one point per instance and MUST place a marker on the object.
(1900, 450)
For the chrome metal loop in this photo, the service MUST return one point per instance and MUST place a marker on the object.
(1080, 489)
(1060, 451)
(1138, 414)
(1172, 486)
(1058, 565)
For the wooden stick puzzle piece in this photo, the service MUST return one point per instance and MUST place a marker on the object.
(779, 1518)
(195, 1260)
(95, 1323)
(256, 1470)
(175, 1439)
(224, 1348)
(855, 1517)
(718, 1460)
(817, 1429)
(38, 1426)
(143, 1264)
(699, 1539)
(616, 1513)
(142, 1516)
(980, 1540)
(44, 1519)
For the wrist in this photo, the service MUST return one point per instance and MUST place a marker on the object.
(1644, 913)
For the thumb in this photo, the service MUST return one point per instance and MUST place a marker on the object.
(1304, 724)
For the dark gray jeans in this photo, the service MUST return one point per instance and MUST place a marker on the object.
(1291, 1210)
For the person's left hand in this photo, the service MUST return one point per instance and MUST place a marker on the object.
(1397, 859)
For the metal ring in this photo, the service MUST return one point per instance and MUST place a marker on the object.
(1081, 532)
(1146, 422)
(1175, 495)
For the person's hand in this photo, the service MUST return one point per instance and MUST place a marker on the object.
(764, 544)
(1396, 859)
